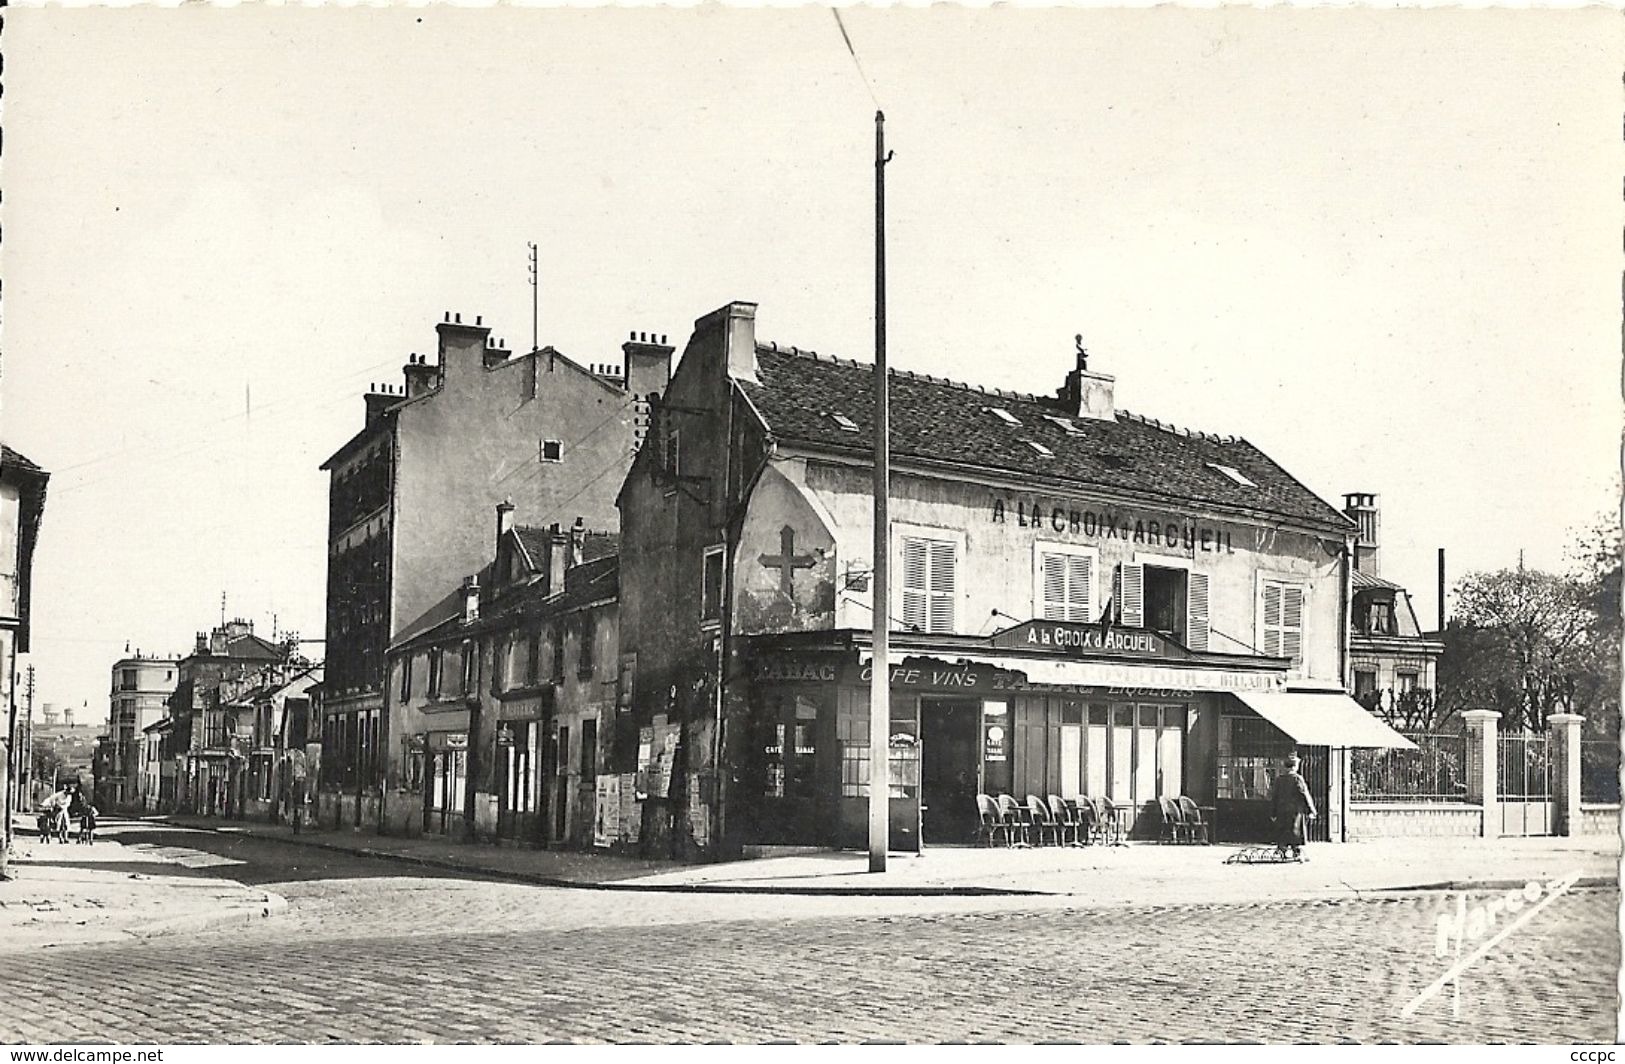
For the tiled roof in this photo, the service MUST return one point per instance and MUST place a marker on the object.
(594, 545)
(535, 541)
(252, 646)
(10, 457)
(589, 582)
(937, 419)
(1365, 580)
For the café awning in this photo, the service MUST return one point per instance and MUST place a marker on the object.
(1323, 719)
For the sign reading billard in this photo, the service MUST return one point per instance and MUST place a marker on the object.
(1073, 638)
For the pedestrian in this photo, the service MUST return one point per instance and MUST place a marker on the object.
(1291, 808)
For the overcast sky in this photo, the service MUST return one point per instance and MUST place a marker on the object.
(1385, 247)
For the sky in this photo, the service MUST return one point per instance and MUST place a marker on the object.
(1382, 246)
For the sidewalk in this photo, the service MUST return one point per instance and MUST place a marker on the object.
(108, 892)
(1130, 875)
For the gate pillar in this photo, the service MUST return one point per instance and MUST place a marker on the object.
(1565, 739)
(1482, 751)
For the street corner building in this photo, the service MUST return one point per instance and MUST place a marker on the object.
(1085, 602)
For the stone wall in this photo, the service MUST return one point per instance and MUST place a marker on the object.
(1387, 820)
(1599, 819)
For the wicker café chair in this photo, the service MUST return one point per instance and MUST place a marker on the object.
(1066, 818)
(1043, 821)
(990, 826)
(1017, 821)
(1173, 824)
(1195, 823)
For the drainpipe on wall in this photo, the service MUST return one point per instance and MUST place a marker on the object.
(1343, 641)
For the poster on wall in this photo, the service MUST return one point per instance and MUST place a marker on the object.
(664, 758)
(606, 821)
(631, 811)
(646, 746)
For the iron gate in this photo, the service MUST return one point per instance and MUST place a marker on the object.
(1523, 769)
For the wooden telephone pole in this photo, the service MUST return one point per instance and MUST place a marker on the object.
(880, 668)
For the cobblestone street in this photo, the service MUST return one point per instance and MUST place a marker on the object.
(366, 954)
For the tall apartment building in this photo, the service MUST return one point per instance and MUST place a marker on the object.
(138, 695)
(408, 493)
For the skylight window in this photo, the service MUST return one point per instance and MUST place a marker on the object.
(1002, 414)
(846, 423)
(1233, 473)
(1040, 448)
(1066, 424)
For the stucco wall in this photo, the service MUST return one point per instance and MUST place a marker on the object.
(998, 545)
(475, 441)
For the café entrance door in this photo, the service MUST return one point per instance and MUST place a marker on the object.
(948, 764)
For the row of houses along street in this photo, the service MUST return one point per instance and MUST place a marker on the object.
(627, 606)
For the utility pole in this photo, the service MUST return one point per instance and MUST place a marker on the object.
(6, 775)
(535, 337)
(880, 667)
(25, 774)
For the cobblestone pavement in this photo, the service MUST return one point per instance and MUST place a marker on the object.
(366, 954)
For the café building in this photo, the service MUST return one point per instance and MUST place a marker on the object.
(1084, 601)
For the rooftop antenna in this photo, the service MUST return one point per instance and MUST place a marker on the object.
(535, 339)
(222, 609)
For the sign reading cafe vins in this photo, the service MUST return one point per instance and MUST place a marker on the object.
(1030, 513)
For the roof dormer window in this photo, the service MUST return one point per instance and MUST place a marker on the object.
(1003, 415)
(1040, 448)
(1233, 473)
(1066, 425)
(845, 423)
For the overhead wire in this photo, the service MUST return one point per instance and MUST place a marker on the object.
(853, 52)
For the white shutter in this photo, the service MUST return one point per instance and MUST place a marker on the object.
(1080, 586)
(942, 587)
(1270, 630)
(1131, 607)
(915, 612)
(1196, 612)
(1292, 623)
(1054, 604)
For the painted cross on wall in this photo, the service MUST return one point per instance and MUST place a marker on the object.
(787, 561)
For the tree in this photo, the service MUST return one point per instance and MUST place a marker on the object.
(1530, 644)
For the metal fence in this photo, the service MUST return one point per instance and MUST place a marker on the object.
(1436, 771)
(1599, 770)
(1524, 767)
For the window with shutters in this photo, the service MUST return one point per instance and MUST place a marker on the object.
(928, 584)
(1280, 621)
(1168, 598)
(1064, 583)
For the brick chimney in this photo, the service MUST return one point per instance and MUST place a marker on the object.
(380, 397)
(558, 558)
(648, 364)
(1361, 508)
(1086, 393)
(471, 600)
(462, 347)
(578, 542)
(420, 376)
(504, 523)
(496, 352)
(730, 331)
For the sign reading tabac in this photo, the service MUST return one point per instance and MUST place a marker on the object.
(1077, 639)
